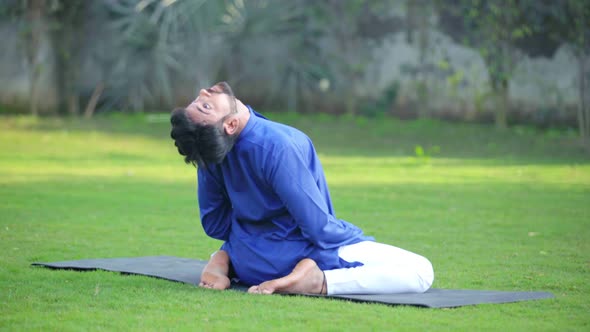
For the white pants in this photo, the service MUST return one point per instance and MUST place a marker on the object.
(386, 270)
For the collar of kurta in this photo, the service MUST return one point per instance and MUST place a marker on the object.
(254, 117)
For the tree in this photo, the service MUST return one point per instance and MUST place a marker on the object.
(418, 14)
(351, 29)
(151, 41)
(62, 21)
(257, 27)
(34, 11)
(568, 22)
(575, 21)
(67, 35)
(494, 28)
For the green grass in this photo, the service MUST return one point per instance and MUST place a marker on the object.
(492, 210)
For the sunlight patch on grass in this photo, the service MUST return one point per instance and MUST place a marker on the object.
(345, 170)
(129, 173)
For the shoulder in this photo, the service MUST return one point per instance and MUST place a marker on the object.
(270, 136)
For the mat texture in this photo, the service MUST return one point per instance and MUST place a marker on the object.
(189, 270)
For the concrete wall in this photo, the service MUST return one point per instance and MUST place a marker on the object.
(15, 71)
(457, 77)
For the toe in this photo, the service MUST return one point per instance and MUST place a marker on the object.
(266, 291)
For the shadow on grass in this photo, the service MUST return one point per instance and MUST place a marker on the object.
(424, 140)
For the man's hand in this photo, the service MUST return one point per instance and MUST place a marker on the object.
(215, 273)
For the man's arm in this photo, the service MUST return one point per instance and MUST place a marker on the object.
(292, 181)
(214, 204)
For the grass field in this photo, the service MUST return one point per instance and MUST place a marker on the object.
(492, 210)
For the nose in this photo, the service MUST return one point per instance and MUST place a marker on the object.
(204, 92)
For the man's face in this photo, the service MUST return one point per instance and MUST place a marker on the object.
(212, 105)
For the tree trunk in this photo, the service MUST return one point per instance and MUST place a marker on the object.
(583, 111)
(73, 103)
(34, 90)
(61, 70)
(66, 35)
(503, 104)
(292, 93)
(91, 107)
(410, 20)
(34, 16)
(423, 50)
(350, 105)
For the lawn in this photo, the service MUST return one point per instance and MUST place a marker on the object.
(492, 210)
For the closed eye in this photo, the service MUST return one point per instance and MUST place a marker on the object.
(201, 110)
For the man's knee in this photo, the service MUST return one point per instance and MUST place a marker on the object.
(425, 274)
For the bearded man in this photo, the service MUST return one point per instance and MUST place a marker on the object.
(262, 191)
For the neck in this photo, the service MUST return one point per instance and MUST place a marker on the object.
(243, 116)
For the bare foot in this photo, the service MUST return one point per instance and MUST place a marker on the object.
(215, 273)
(306, 278)
(214, 280)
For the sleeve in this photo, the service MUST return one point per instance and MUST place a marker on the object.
(214, 205)
(295, 185)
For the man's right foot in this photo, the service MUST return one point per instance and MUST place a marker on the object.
(306, 278)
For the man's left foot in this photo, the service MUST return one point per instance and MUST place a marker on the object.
(215, 273)
(214, 280)
(306, 278)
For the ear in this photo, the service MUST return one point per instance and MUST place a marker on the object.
(231, 125)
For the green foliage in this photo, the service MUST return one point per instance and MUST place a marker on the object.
(153, 53)
(494, 29)
(154, 39)
(423, 156)
(383, 104)
(455, 79)
(572, 19)
(289, 25)
(350, 54)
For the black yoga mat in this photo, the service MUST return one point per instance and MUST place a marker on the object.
(189, 270)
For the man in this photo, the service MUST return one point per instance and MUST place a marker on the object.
(262, 190)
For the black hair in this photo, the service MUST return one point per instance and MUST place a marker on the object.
(200, 144)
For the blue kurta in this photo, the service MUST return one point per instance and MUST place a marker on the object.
(269, 201)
